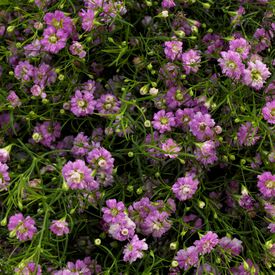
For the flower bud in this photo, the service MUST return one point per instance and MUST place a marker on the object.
(97, 242)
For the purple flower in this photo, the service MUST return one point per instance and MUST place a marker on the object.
(271, 227)
(187, 257)
(83, 103)
(33, 49)
(133, 250)
(266, 184)
(206, 152)
(5, 154)
(185, 187)
(256, 74)
(23, 228)
(29, 269)
(268, 112)
(59, 21)
(59, 227)
(176, 97)
(108, 104)
(44, 75)
(87, 19)
(46, 133)
(156, 224)
(4, 176)
(207, 243)
(114, 211)
(246, 201)
(81, 145)
(13, 99)
(201, 126)
(173, 50)
(183, 117)
(123, 229)
(231, 64)
(24, 71)
(53, 41)
(233, 246)
(163, 121)
(77, 49)
(262, 39)
(78, 176)
(36, 91)
(169, 73)
(170, 148)
(167, 4)
(101, 159)
(241, 46)
(79, 267)
(247, 134)
(191, 61)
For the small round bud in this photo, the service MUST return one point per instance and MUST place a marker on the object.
(139, 191)
(10, 28)
(174, 263)
(157, 174)
(4, 222)
(243, 162)
(153, 91)
(201, 204)
(62, 111)
(18, 45)
(173, 246)
(150, 66)
(130, 154)
(147, 123)
(206, 5)
(61, 77)
(232, 157)
(130, 188)
(97, 242)
(11, 73)
(45, 101)
(164, 14)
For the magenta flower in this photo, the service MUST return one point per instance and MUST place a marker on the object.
(183, 117)
(232, 246)
(23, 228)
(268, 112)
(133, 250)
(185, 187)
(81, 145)
(14, 100)
(77, 49)
(79, 267)
(29, 269)
(191, 61)
(266, 184)
(241, 46)
(5, 154)
(256, 74)
(206, 152)
(87, 19)
(231, 64)
(173, 50)
(108, 104)
(207, 243)
(4, 176)
(201, 126)
(101, 159)
(170, 148)
(59, 21)
(187, 257)
(163, 121)
(24, 71)
(177, 96)
(167, 4)
(59, 227)
(114, 211)
(53, 41)
(33, 49)
(247, 134)
(44, 75)
(83, 103)
(78, 176)
(156, 224)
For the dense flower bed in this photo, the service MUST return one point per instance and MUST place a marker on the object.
(137, 137)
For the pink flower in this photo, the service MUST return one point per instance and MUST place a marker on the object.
(59, 227)
(187, 257)
(133, 250)
(266, 184)
(4, 176)
(268, 112)
(256, 74)
(207, 243)
(173, 49)
(163, 121)
(23, 228)
(191, 61)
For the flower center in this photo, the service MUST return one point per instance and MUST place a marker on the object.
(81, 103)
(76, 176)
(272, 112)
(53, 39)
(270, 184)
(164, 120)
(256, 75)
(231, 65)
